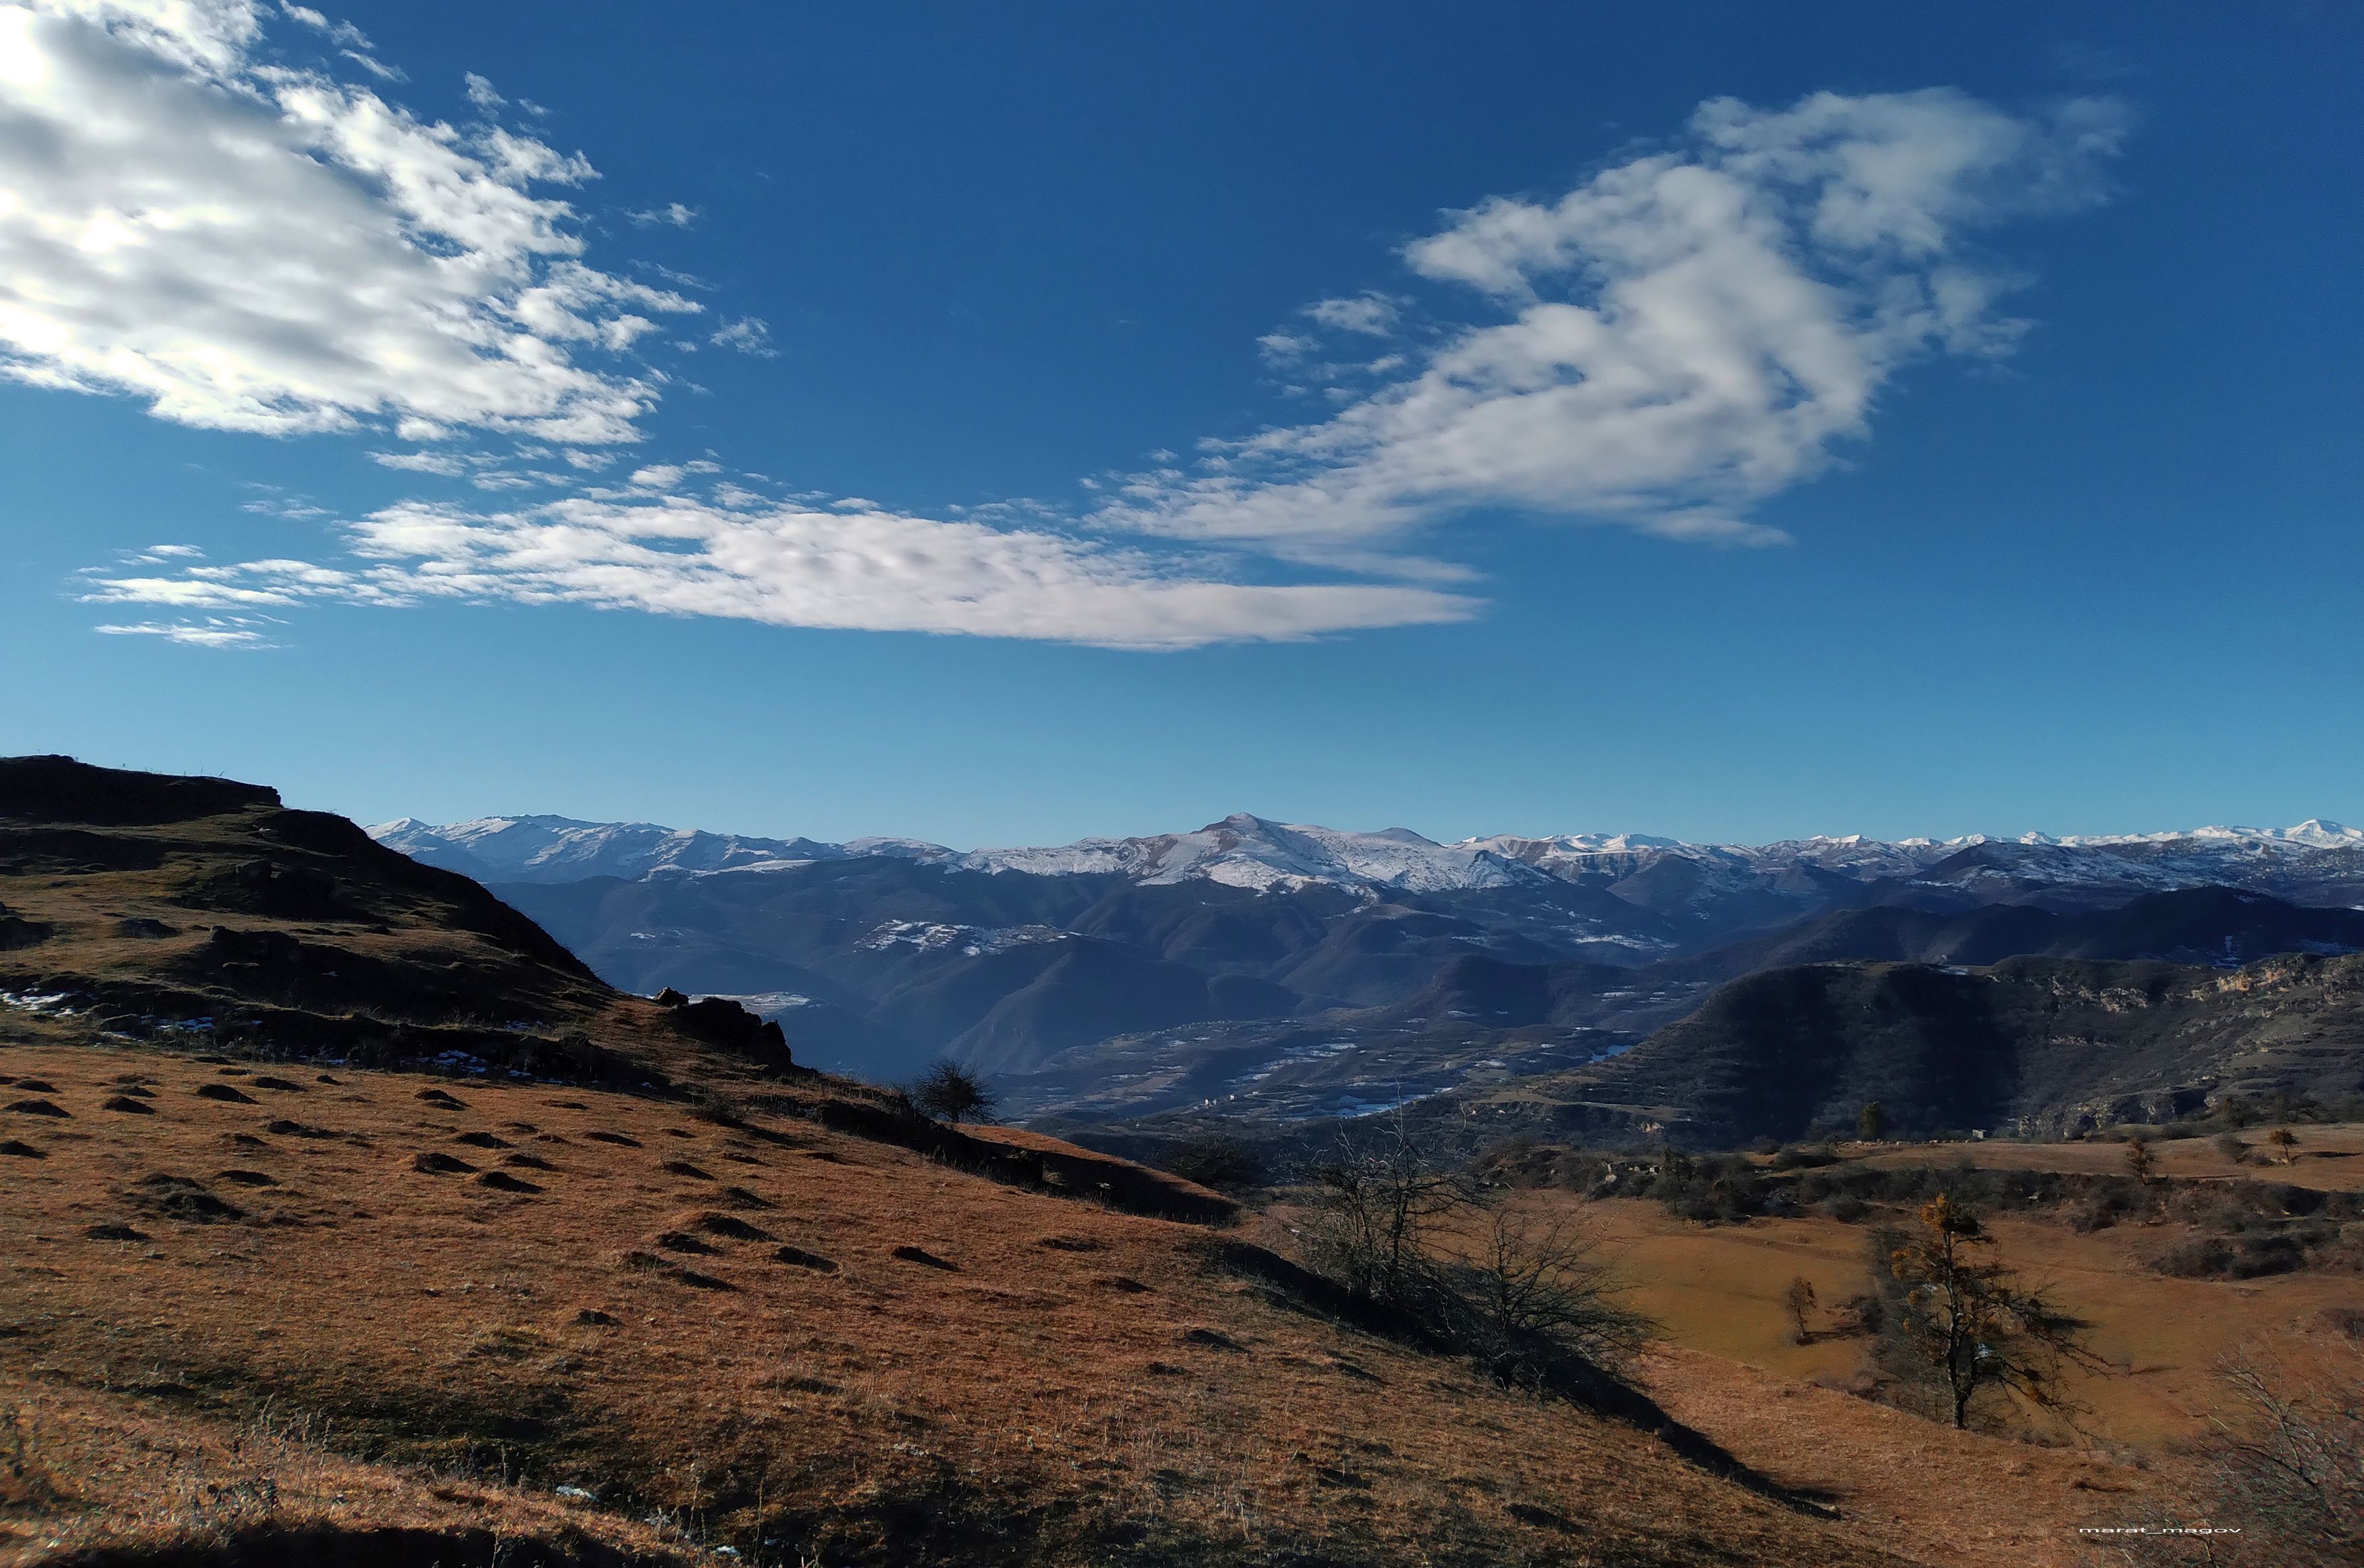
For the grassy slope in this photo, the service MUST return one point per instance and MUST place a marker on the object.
(1080, 1385)
(597, 1299)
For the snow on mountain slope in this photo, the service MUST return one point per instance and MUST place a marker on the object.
(559, 849)
(1248, 851)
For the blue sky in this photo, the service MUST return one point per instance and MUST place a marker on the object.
(1003, 425)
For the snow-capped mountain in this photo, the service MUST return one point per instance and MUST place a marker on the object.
(559, 849)
(878, 953)
(1248, 851)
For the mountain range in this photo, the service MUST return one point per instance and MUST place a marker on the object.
(1244, 851)
(1299, 970)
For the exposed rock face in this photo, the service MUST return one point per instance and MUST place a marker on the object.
(719, 1022)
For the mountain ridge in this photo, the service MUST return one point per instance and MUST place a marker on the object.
(1244, 849)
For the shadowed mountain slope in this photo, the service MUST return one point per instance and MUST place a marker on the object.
(2030, 1044)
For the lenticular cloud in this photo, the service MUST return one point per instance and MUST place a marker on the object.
(250, 247)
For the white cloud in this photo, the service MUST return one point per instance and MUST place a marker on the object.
(214, 631)
(1284, 348)
(1682, 335)
(248, 247)
(482, 92)
(1371, 313)
(749, 335)
(448, 464)
(672, 215)
(344, 33)
(791, 565)
(376, 68)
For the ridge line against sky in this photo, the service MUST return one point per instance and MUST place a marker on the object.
(2311, 833)
(204, 213)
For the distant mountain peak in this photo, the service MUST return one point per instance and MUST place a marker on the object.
(1249, 852)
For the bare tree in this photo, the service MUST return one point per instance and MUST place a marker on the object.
(1966, 1319)
(2286, 1456)
(1798, 1300)
(2285, 1143)
(1375, 1199)
(1540, 1287)
(2141, 1164)
(2281, 1469)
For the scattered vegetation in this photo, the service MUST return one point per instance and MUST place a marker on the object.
(2244, 1227)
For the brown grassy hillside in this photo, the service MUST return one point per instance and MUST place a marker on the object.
(767, 1330)
(275, 1293)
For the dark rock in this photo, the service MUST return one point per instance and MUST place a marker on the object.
(719, 1022)
(801, 1259)
(16, 933)
(922, 1256)
(731, 1225)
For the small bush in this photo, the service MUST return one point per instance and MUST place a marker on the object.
(1215, 1160)
(949, 1092)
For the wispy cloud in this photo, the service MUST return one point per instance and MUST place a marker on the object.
(253, 247)
(749, 335)
(213, 631)
(1373, 314)
(250, 246)
(1678, 337)
(793, 565)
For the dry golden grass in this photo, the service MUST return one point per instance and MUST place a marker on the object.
(1078, 1385)
(2329, 1158)
(1925, 1491)
(1718, 1289)
(81, 1472)
(1729, 1364)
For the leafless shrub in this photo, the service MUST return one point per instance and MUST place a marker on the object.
(2281, 1468)
(1529, 1290)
